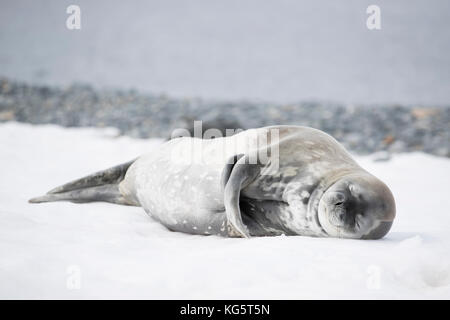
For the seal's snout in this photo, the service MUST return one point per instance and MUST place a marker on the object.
(357, 206)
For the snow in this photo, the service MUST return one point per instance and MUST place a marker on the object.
(99, 250)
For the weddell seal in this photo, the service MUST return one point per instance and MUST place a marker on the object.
(260, 182)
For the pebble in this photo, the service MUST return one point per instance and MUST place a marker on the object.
(363, 129)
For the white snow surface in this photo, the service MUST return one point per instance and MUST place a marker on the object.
(99, 250)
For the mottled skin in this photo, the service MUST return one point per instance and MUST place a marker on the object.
(217, 197)
(302, 183)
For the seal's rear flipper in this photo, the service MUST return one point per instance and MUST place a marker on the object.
(100, 186)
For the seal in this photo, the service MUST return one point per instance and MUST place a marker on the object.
(268, 181)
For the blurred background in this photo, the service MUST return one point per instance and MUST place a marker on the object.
(149, 66)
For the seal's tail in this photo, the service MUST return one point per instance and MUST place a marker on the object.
(100, 186)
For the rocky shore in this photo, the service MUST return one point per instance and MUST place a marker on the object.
(362, 129)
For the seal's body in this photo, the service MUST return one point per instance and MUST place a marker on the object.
(268, 181)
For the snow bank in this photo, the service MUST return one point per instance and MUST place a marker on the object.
(65, 250)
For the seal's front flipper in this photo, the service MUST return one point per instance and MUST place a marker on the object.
(237, 175)
(100, 186)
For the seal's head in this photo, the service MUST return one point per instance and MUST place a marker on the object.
(357, 206)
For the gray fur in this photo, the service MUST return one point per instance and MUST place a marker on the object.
(316, 189)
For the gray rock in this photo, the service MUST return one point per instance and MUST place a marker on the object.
(362, 129)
